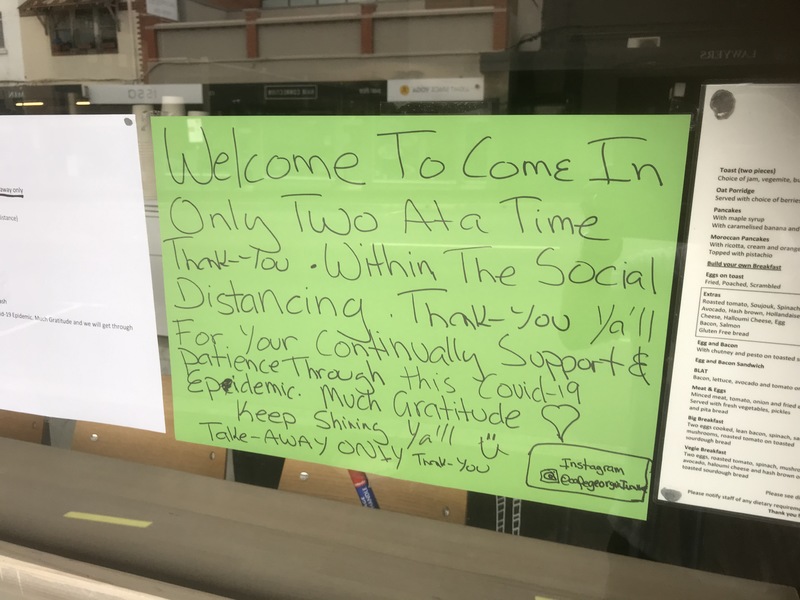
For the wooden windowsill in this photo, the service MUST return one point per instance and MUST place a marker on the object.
(237, 540)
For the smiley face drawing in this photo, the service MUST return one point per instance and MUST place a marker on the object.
(490, 448)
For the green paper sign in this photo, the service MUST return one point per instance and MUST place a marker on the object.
(471, 302)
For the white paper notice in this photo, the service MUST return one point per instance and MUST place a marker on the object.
(733, 428)
(77, 323)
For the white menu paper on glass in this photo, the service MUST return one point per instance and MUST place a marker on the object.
(732, 438)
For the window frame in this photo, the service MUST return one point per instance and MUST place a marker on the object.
(75, 17)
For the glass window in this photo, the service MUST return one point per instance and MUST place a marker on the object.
(522, 274)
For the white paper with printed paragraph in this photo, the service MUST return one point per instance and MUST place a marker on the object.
(77, 322)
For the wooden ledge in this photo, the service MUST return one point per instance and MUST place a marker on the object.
(246, 542)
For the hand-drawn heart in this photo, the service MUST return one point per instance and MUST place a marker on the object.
(560, 416)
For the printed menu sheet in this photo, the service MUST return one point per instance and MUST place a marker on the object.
(733, 428)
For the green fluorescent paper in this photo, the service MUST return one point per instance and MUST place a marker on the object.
(475, 302)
